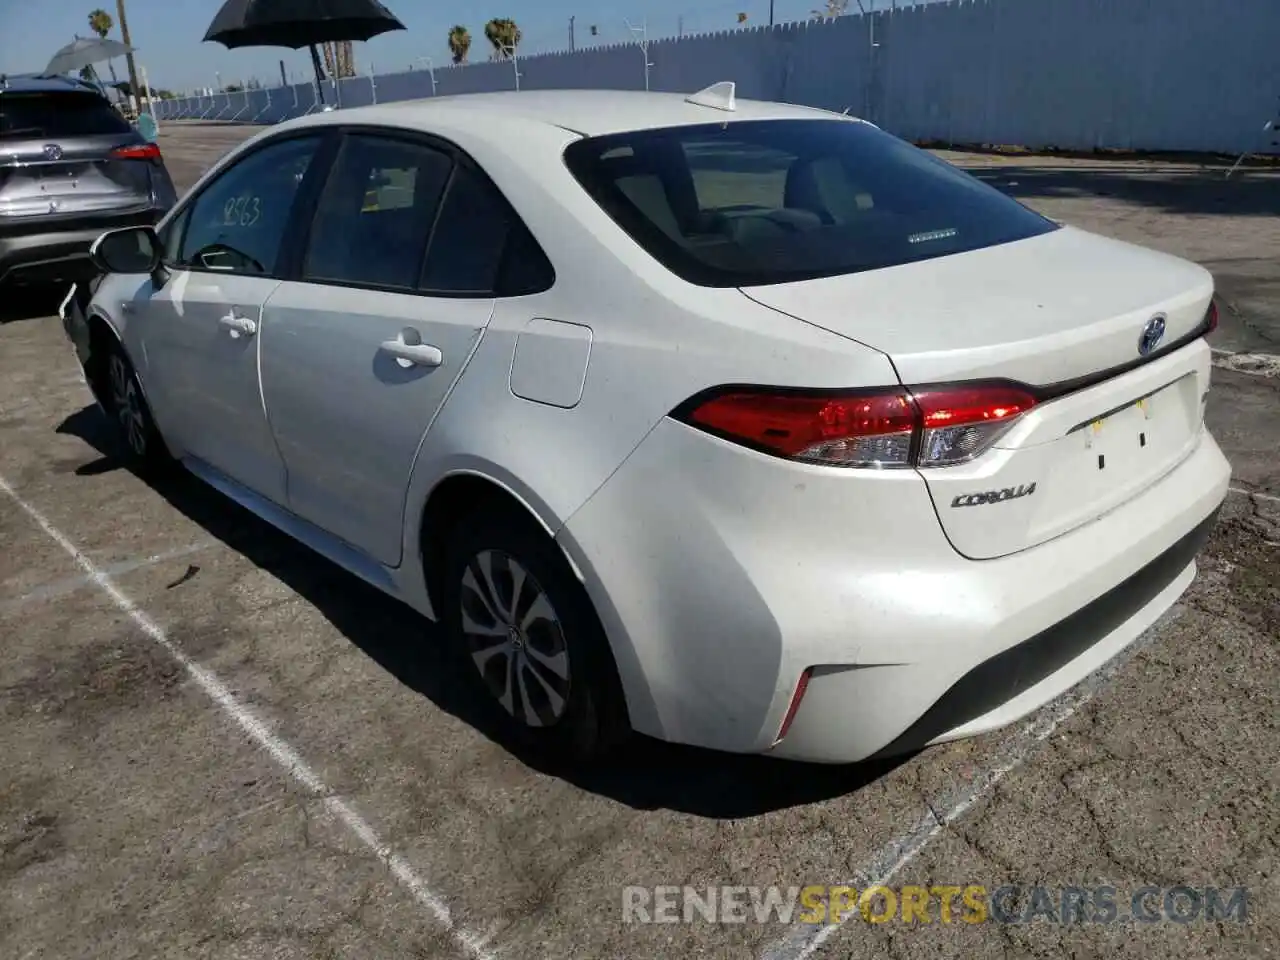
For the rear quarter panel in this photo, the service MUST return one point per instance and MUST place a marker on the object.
(654, 342)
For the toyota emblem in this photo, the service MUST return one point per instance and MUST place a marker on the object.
(1152, 334)
(52, 151)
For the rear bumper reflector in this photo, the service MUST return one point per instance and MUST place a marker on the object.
(801, 686)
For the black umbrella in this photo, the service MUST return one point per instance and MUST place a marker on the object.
(299, 23)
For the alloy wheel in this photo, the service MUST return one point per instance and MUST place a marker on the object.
(515, 639)
(127, 405)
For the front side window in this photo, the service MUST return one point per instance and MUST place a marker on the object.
(770, 201)
(237, 223)
(376, 211)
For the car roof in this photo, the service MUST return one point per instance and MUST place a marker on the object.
(31, 83)
(586, 112)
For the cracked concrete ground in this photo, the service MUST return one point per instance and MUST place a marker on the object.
(138, 820)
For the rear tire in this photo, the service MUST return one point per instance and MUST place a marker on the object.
(528, 639)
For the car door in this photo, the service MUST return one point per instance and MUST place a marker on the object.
(202, 325)
(358, 354)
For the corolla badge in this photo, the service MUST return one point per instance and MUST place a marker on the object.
(1152, 334)
(52, 151)
(994, 496)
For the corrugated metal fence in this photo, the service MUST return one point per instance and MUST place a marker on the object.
(1072, 74)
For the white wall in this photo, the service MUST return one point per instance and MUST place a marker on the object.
(1073, 74)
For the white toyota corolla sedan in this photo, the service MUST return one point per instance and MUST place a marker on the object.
(738, 424)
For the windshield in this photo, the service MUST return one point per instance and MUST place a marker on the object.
(769, 201)
(58, 115)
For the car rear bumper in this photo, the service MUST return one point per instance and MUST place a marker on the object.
(53, 252)
(722, 575)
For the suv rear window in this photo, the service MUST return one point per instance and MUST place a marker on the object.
(58, 115)
(756, 202)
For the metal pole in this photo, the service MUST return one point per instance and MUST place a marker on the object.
(146, 88)
(771, 13)
(515, 66)
(373, 84)
(265, 109)
(643, 30)
(244, 90)
(571, 19)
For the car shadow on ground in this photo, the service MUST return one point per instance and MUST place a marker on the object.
(29, 302)
(646, 775)
(1248, 193)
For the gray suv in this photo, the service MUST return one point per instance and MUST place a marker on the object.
(71, 167)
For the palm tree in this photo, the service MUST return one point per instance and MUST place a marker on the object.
(459, 43)
(831, 9)
(100, 22)
(504, 35)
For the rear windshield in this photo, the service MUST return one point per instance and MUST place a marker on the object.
(58, 115)
(770, 201)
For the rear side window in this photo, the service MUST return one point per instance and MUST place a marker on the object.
(58, 115)
(480, 247)
(757, 202)
(375, 214)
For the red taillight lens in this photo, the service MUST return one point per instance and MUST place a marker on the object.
(851, 429)
(926, 428)
(146, 151)
(960, 423)
(1211, 317)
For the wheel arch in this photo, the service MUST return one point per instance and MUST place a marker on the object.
(103, 337)
(449, 501)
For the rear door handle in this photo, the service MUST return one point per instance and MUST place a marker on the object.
(413, 354)
(238, 326)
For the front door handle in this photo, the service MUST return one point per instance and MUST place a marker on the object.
(413, 354)
(238, 326)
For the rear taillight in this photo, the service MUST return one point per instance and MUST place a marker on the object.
(1211, 317)
(960, 423)
(891, 429)
(854, 430)
(146, 151)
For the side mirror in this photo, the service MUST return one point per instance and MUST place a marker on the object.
(128, 250)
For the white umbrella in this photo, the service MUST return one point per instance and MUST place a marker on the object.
(84, 52)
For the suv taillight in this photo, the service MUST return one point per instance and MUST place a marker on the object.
(926, 427)
(145, 151)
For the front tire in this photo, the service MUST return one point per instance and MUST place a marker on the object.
(126, 407)
(527, 637)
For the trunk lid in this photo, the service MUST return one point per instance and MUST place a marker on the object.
(1064, 313)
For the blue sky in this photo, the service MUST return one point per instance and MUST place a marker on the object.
(167, 33)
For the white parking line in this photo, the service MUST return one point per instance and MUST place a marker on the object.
(60, 588)
(803, 941)
(260, 733)
(1269, 497)
(1255, 364)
